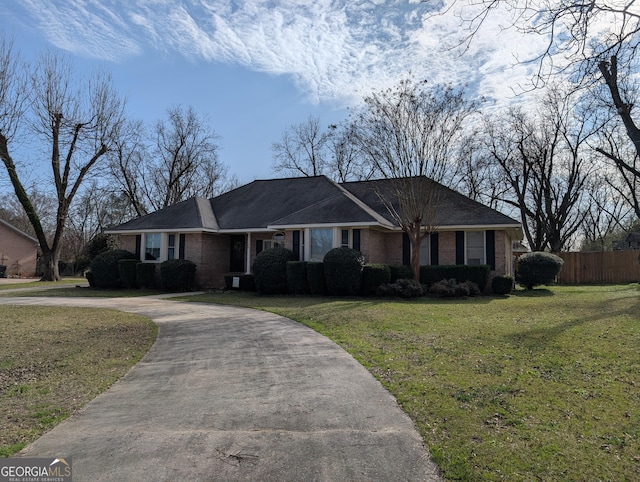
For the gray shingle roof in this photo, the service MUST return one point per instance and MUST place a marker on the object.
(453, 209)
(192, 214)
(277, 203)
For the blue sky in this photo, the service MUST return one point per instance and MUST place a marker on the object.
(256, 67)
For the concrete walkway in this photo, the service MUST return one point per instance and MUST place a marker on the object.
(236, 394)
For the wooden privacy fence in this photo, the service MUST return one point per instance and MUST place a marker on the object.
(600, 267)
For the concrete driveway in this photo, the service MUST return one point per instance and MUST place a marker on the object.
(236, 394)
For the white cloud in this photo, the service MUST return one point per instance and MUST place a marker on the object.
(334, 50)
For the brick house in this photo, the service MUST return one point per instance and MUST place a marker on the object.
(310, 216)
(18, 251)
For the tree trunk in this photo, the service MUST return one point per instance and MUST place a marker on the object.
(50, 271)
(415, 239)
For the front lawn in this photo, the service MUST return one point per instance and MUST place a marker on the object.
(55, 360)
(541, 385)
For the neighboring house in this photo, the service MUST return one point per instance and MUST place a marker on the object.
(310, 216)
(632, 241)
(18, 251)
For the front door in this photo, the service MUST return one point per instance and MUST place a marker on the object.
(236, 261)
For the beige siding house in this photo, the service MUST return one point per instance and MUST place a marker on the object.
(310, 216)
(18, 252)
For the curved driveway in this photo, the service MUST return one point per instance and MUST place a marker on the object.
(236, 394)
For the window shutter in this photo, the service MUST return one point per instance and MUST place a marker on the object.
(296, 244)
(138, 245)
(490, 239)
(183, 238)
(356, 239)
(259, 244)
(459, 247)
(406, 250)
(434, 249)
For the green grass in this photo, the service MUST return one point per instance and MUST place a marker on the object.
(541, 385)
(55, 360)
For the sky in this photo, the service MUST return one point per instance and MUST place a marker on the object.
(256, 67)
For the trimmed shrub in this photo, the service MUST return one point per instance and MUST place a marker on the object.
(100, 243)
(403, 288)
(105, 268)
(374, 275)
(90, 279)
(297, 277)
(450, 288)
(478, 274)
(502, 285)
(127, 271)
(177, 275)
(538, 268)
(145, 275)
(315, 278)
(343, 271)
(400, 272)
(270, 270)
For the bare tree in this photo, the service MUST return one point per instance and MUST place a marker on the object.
(347, 162)
(607, 214)
(76, 119)
(181, 161)
(410, 133)
(588, 41)
(542, 160)
(127, 166)
(303, 149)
(187, 159)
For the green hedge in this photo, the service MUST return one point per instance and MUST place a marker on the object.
(478, 274)
(343, 271)
(400, 272)
(104, 268)
(374, 275)
(297, 283)
(270, 270)
(315, 278)
(177, 275)
(127, 272)
(145, 275)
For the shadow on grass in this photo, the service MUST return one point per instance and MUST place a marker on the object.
(534, 293)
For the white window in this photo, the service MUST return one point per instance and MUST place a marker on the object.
(475, 247)
(152, 246)
(425, 251)
(321, 243)
(276, 241)
(160, 246)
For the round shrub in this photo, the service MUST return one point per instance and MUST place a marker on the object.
(177, 275)
(502, 285)
(343, 271)
(105, 268)
(270, 270)
(374, 275)
(538, 268)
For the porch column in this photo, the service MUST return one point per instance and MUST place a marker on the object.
(248, 270)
